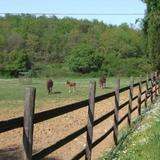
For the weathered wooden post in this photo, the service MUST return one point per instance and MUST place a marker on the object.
(151, 77)
(139, 97)
(91, 107)
(29, 107)
(116, 111)
(146, 94)
(130, 101)
(158, 83)
(155, 82)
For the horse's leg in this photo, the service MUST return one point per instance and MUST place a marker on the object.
(50, 90)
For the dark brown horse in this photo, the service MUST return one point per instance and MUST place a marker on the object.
(71, 86)
(49, 86)
(102, 82)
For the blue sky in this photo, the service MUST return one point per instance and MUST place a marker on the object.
(79, 6)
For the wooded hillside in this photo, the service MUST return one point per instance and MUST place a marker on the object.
(47, 46)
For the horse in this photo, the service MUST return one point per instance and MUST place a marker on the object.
(71, 85)
(49, 86)
(102, 82)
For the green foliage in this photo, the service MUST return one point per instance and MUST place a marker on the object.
(14, 62)
(114, 65)
(151, 27)
(84, 59)
(48, 41)
(122, 41)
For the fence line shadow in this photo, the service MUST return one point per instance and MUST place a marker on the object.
(11, 153)
(16, 153)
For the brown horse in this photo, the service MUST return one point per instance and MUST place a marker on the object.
(102, 82)
(71, 86)
(49, 86)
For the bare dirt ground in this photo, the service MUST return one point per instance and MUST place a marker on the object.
(48, 132)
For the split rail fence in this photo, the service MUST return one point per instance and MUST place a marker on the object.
(30, 118)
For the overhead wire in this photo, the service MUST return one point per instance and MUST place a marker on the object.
(78, 14)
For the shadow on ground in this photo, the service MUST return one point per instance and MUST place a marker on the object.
(57, 92)
(15, 153)
(11, 153)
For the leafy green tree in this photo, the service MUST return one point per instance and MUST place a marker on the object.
(84, 59)
(152, 30)
(17, 62)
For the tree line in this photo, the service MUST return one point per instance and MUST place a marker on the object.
(49, 46)
(152, 32)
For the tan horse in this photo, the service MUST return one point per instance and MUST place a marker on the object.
(71, 86)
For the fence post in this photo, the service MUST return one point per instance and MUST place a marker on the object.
(91, 107)
(158, 83)
(29, 107)
(139, 97)
(146, 94)
(155, 82)
(130, 100)
(151, 87)
(116, 111)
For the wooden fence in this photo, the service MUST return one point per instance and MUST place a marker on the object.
(29, 119)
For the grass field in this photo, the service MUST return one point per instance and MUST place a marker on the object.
(12, 91)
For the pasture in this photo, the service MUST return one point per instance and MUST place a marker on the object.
(11, 105)
(12, 91)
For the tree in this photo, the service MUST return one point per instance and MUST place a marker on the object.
(152, 30)
(17, 62)
(84, 59)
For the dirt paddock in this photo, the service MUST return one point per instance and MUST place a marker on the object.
(48, 132)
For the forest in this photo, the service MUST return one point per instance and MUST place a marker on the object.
(44, 46)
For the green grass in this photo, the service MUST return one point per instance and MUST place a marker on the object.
(11, 90)
(143, 143)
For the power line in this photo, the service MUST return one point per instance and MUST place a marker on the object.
(79, 14)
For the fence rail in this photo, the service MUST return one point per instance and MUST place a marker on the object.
(27, 121)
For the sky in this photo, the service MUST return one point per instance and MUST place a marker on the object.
(118, 7)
